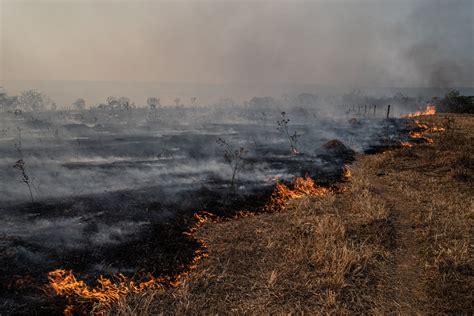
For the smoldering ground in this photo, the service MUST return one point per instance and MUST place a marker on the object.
(109, 195)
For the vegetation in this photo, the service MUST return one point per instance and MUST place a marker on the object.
(234, 157)
(284, 129)
(454, 102)
(20, 166)
(394, 239)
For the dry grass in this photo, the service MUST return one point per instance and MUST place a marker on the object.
(397, 239)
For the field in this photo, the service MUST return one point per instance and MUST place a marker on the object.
(394, 238)
(104, 193)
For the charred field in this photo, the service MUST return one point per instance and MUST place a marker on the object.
(116, 196)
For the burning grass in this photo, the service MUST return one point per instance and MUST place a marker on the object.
(107, 291)
(394, 238)
(430, 110)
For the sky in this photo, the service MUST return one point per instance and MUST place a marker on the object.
(338, 42)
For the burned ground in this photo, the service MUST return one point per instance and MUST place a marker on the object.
(111, 200)
(395, 238)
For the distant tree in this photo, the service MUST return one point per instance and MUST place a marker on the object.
(261, 103)
(124, 102)
(112, 101)
(193, 101)
(226, 102)
(177, 101)
(7, 103)
(79, 104)
(454, 102)
(153, 102)
(32, 100)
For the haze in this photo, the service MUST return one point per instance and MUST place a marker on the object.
(330, 43)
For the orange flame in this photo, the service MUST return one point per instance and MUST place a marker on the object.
(436, 129)
(346, 172)
(430, 110)
(300, 187)
(406, 144)
(418, 135)
(65, 284)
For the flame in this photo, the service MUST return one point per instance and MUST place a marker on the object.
(108, 290)
(406, 144)
(418, 135)
(423, 129)
(436, 129)
(346, 172)
(65, 284)
(300, 187)
(430, 110)
(421, 125)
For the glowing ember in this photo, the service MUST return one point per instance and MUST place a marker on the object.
(417, 135)
(406, 144)
(435, 129)
(430, 110)
(421, 125)
(346, 172)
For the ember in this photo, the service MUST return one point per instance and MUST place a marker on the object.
(418, 135)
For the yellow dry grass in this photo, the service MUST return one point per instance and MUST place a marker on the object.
(396, 239)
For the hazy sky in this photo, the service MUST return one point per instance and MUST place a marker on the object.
(338, 42)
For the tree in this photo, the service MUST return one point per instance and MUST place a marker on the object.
(79, 104)
(177, 101)
(124, 103)
(454, 102)
(32, 100)
(112, 101)
(193, 101)
(153, 102)
(8, 104)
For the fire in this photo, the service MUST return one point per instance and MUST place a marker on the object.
(65, 283)
(300, 187)
(406, 144)
(108, 290)
(421, 125)
(346, 172)
(418, 135)
(430, 110)
(435, 129)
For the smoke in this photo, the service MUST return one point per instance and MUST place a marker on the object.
(254, 44)
(440, 50)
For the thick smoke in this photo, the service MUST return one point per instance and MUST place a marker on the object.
(243, 48)
(442, 43)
